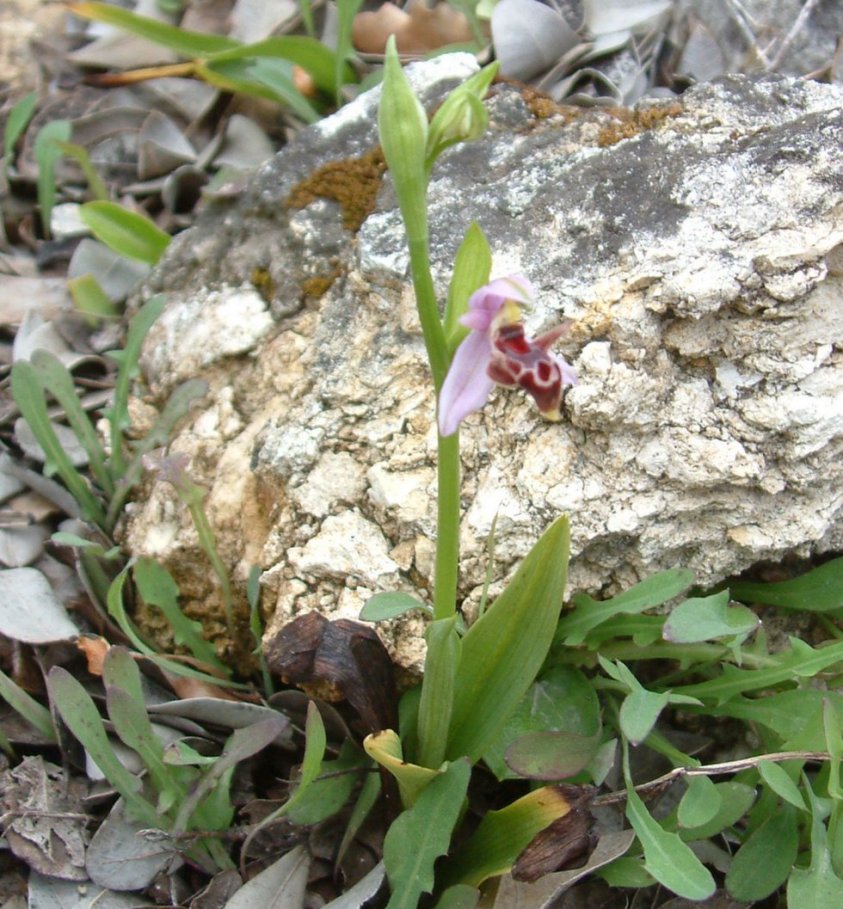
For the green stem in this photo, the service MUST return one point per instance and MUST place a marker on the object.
(431, 322)
(448, 523)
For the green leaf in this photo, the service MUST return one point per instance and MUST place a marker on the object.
(779, 780)
(346, 11)
(125, 232)
(422, 833)
(444, 649)
(277, 76)
(90, 299)
(700, 804)
(818, 590)
(472, 268)
(707, 619)
(588, 613)
(772, 847)
(817, 887)
(34, 713)
(383, 606)
(562, 703)
(386, 748)
(80, 715)
(29, 397)
(666, 857)
(79, 153)
(734, 800)
(460, 896)
(639, 712)
(331, 789)
(19, 117)
(183, 41)
(55, 378)
(47, 152)
(503, 651)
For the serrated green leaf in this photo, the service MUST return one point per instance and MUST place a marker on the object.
(588, 613)
(772, 847)
(503, 650)
(422, 833)
(388, 605)
(666, 856)
(818, 590)
(125, 232)
(708, 619)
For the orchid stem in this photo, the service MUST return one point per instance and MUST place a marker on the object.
(448, 527)
(431, 323)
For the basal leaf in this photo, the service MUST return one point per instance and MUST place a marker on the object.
(734, 800)
(90, 299)
(707, 619)
(780, 781)
(47, 153)
(126, 232)
(503, 650)
(388, 605)
(700, 804)
(31, 710)
(444, 649)
(666, 857)
(422, 833)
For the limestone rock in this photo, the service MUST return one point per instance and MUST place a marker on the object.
(697, 247)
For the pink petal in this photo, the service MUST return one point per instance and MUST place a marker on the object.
(484, 303)
(467, 386)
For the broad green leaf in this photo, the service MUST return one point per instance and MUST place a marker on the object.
(800, 661)
(422, 833)
(818, 590)
(734, 800)
(29, 397)
(700, 804)
(627, 872)
(57, 380)
(502, 836)
(707, 619)
(779, 780)
(34, 713)
(157, 588)
(639, 713)
(383, 606)
(385, 747)
(183, 41)
(47, 153)
(772, 847)
(441, 665)
(331, 789)
(587, 613)
(126, 232)
(666, 856)
(79, 714)
(460, 896)
(472, 267)
(817, 887)
(503, 650)
(563, 709)
(19, 117)
(90, 299)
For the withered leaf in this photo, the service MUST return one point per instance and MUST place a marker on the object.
(339, 659)
(566, 843)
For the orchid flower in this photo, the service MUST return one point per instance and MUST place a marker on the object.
(497, 350)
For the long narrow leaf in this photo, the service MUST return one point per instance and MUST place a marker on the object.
(19, 117)
(29, 397)
(125, 232)
(505, 648)
(440, 670)
(47, 153)
(34, 713)
(56, 379)
(346, 12)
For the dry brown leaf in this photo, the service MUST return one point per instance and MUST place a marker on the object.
(95, 648)
(418, 31)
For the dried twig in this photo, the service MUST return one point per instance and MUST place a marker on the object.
(784, 47)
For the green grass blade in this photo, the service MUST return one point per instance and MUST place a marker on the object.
(182, 41)
(125, 232)
(55, 377)
(80, 155)
(29, 397)
(34, 713)
(503, 651)
(346, 10)
(19, 117)
(47, 153)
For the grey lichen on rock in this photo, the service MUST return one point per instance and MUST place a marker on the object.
(698, 253)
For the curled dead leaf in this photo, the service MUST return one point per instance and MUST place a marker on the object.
(418, 31)
(95, 648)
